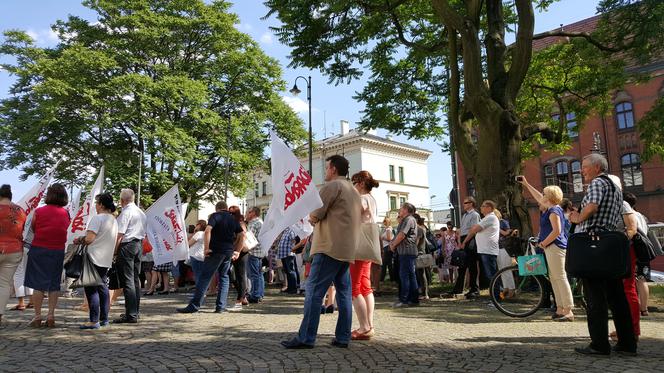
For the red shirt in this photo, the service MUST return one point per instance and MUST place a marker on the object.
(12, 220)
(50, 224)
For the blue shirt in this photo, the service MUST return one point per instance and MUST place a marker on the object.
(546, 228)
(224, 230)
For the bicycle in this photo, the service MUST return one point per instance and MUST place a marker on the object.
(530, 292)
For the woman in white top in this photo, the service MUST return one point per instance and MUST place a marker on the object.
(360, 271)
(196, 249)
(101, 238)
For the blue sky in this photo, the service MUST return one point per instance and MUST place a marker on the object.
(330, 103)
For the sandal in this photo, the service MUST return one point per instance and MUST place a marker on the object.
(50, 322)
(356, 335)
(644, 313)
(30, 305)
(35, 322)
(18, 307)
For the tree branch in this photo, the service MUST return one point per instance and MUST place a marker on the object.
(585, 35)
(523, 49)
(411, 44)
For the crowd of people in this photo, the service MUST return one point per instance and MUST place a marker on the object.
(340, 266)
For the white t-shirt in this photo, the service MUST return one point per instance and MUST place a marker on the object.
(102, 248)
(197, 251)
(369, 209)
(487, 238)
(131, 223)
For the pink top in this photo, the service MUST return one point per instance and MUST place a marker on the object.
(12, 219)
(50, 224)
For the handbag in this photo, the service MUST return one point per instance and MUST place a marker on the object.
(424, 261)
(113, 278)
(74, 264)
(643, 247)
(458, 258)
(89, 276)
(532, 265)
(368, 245)
(657, 247)
(250, 241)
(598, 255)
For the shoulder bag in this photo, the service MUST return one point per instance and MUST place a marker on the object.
(368, 246)
(74, 264)
(89, 276)
(643, 247)
(424, 261)
(250, 240)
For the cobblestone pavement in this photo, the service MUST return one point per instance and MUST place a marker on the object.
(441, 335)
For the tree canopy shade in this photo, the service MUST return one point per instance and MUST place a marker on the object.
(432, 60)
(174, 80)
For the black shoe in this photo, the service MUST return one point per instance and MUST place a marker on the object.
(329, 309)
(188, 309)
(253, 301)
(125, 320)
(218, 310)
(590, 351)
(472, 294)
(449, 294)
(336, 343)
(295, 344)
(620, 350)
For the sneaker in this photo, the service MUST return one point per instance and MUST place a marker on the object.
(399, 305)
(491, 305)
(235, 307)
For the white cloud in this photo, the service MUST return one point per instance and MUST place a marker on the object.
(266, 38)
(297, 104)
(33, 35)
(244, 27)
(44, 36)
(52, 36)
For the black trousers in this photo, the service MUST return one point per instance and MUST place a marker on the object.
(239, 267)
(471, 265)
(599, 294)
(129, 269)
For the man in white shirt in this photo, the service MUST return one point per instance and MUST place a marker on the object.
(487, 234)
(129, 247)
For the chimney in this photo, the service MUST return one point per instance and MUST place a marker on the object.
(345, 127)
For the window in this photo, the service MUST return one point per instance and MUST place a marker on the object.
(264, 187)
(392, 173)
(572, 131)
(402, 200)
(393, 202)
(624, 115)
(577, 179)
(631, 170)
(565, 175)
(256, 190)
(562, 176)
(401, 175)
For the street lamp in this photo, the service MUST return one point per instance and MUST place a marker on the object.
(295, 91)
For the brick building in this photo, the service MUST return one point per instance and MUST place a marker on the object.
(615, 134)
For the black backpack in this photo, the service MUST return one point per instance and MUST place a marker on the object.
(430, 242)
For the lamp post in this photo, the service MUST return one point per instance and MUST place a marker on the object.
(295, 91)
(431, 208)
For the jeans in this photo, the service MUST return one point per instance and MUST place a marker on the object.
(98, 298)
(490, 267)
(254, 265)
(197, 268)
(408, 293)
(291, 274)
(129, 268)
(217, 262)
(326, 270)
(471, 265)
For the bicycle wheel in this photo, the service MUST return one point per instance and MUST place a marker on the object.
(522, 301)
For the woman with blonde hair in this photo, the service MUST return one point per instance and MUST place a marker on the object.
(553, 240)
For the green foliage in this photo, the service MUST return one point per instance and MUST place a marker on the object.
(651, 128)
(173, 80)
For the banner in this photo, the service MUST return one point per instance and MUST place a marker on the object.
(293, 194)
(166, 231)
(79, 224)
(32, 198)
(74, 203)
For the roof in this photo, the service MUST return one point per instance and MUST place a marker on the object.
(355, 134)
(586, 25)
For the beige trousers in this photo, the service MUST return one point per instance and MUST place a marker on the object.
(555, 258)
(8, 264)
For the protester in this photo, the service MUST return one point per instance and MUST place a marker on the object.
(196, 255)
(470, 218)
(101, 236)
(240, 265)
(421, 273)
(386, 236)
(21, 291)
(287, 257)
(553, 241)
(47, 252)
(336, 233)
(405, 245)
(601, 209)
(643, 269)
(222, 242)
(360, 271)
(255, 258)
(128, 250)
(504, 259)
(161, 274)
(450, 242)
(12, 222)
(147, 264)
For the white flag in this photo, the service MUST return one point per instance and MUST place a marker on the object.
(293, 193)
(32, 198)
(165, 228)
(74, 203)
(79, 224)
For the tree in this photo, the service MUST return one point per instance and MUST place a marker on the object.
(436, 58)
(171, 84)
